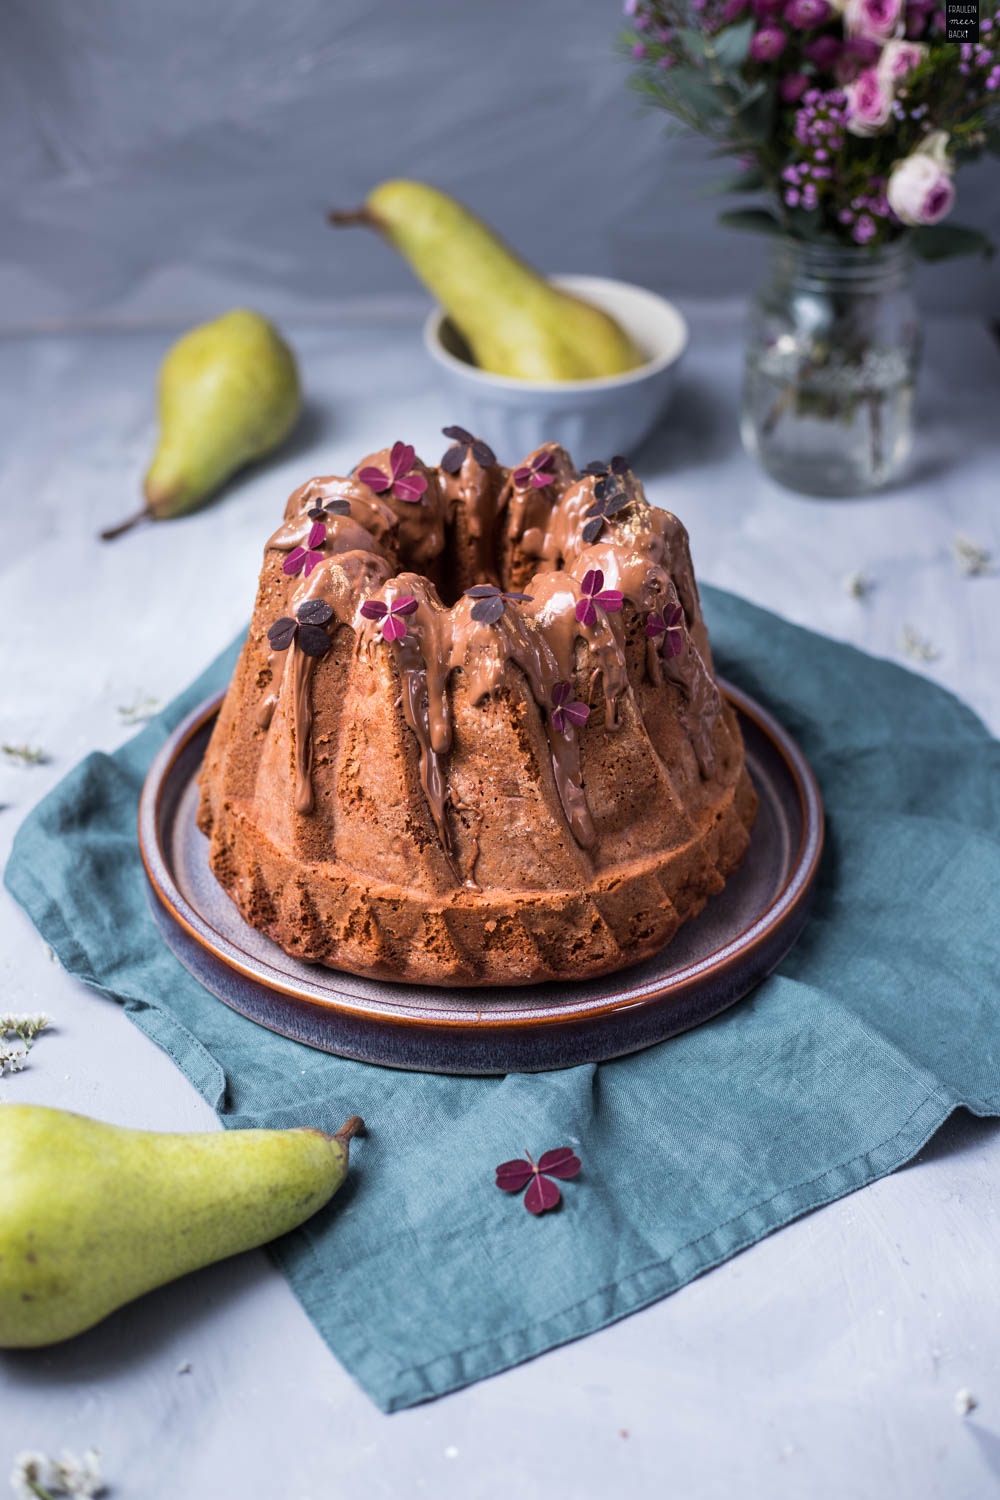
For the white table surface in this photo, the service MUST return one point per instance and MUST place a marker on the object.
(824, 1362)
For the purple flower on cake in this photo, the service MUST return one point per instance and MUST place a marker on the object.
(921, 189)
(877, 19)
(594, 593)
(564, 711)
(768, 43)
(308, 628)
(304, 559)
(490, 602)
(391, 615)
(536, 473)
(869, 104)
(402, 481)
(463, 443)
(669, 625)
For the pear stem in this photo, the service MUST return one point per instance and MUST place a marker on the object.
(141, 515)
(354, 1126)
(361, 215)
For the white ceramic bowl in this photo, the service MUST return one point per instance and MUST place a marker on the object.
(592, 418)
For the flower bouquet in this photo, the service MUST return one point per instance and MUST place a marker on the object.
(850, 117)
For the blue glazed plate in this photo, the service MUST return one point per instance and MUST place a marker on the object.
(716, 959)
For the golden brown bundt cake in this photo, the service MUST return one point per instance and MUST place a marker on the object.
(474, 737)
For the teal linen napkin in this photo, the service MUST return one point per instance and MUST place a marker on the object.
(421, 1275)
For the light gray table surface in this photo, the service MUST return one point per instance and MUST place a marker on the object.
(824, 1362)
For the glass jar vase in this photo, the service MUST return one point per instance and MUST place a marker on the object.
(831, 360)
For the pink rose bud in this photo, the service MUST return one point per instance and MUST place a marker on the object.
(921, 190)
(869, 105)
(767, 44)
(878, 19)
(899, 58)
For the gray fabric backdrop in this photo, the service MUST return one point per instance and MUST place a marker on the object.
(161, 161)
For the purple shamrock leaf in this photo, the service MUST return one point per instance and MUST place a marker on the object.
(490, 602)
(402, 481)
(536, 473)
(308, 629)
(335, 507)
(464, 442)
(304, 559)
(543, 1193)
(393, 623)
(669, 625)
(595, 593)
(563, 710)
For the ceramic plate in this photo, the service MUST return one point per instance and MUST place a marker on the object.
(712, 962)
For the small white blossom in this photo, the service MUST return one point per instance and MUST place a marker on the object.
(26, 1476)
(973, 560)
(80, 1477)
(25, 1027)
(916, 646)
(964, 1402)
(12, 1059)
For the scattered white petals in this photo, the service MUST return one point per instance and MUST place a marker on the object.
(916, 646)
(140, 711)
(24, 755)
(859, 585)
(973, 560)
(964, 1402)
(36, 1475)
(451, 1453)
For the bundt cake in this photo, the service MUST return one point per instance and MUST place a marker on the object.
(475, 737)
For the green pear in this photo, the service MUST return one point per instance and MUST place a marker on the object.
(228, 393)
(514, 321)
(93, 1215)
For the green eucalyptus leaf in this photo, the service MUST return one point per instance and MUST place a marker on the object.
(696, 96)
(732, 44)
(942, 241)
(756, 220)
(695, 43)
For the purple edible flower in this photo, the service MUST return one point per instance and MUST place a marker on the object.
(537, 472)
(308, 628)
(490, 600)
(768, 43)
(595, 593)
(806, 15)
(393, 623)
(671, 626)
(462, 443)
(610, 495)
(304, 559)
(562, 709)
(402, 481)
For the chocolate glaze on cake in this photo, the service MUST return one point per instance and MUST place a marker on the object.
(534, 780)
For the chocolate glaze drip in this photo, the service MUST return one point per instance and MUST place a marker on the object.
(641, 551)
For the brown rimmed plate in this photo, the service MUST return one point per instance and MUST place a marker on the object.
(715, 960)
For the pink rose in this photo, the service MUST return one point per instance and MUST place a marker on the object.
(869, 103)
(878, 19)
(921, 190)
(768, 43)
(899, 58)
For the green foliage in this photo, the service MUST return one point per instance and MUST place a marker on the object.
(756, 220)
(933, 242)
